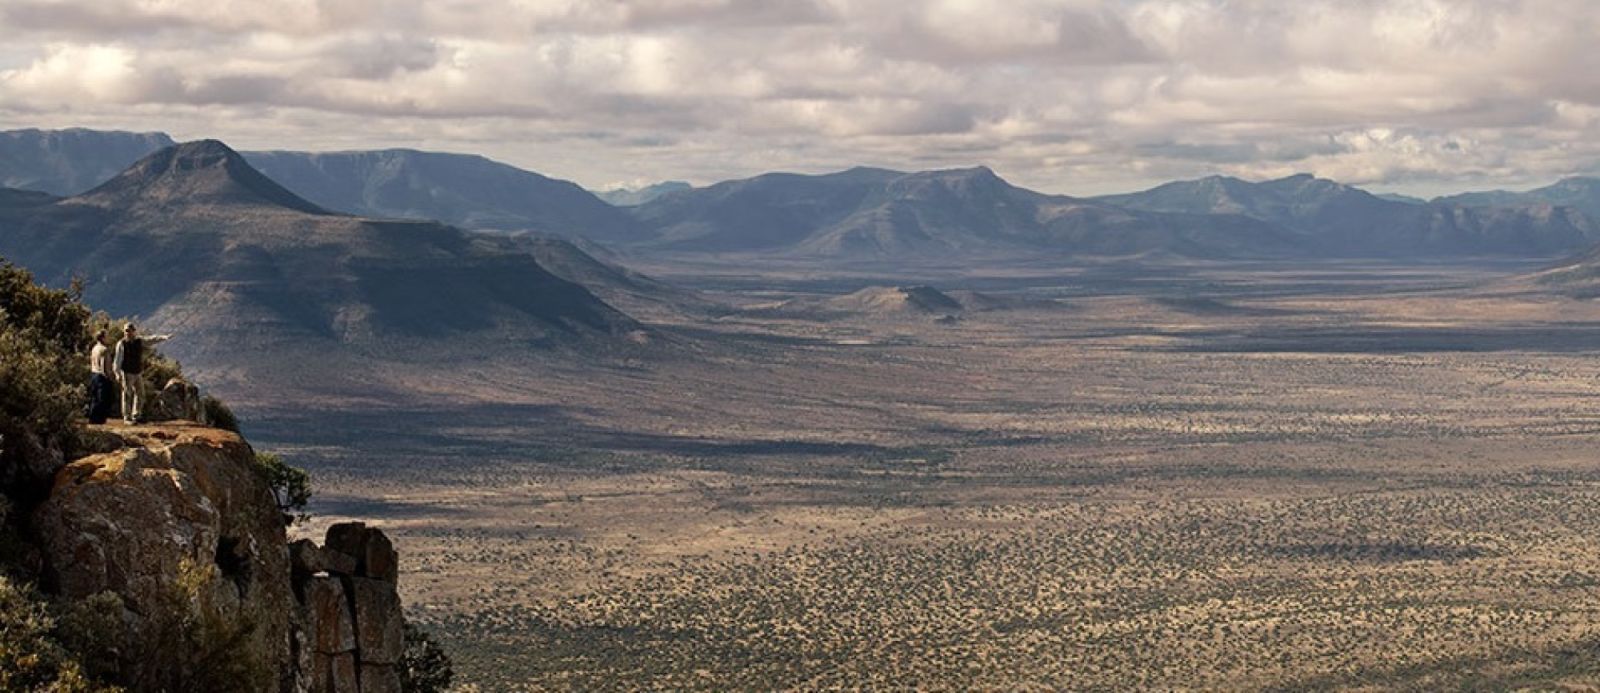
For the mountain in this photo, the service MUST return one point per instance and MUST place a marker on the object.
(633, 197)
(459, 189)
(634, 294)
(1342, 220)
(68, 162)
(202, 244)
(1397, 197)
(1580, 193)
(882, 214)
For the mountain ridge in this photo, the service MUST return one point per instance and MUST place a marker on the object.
(198, 242)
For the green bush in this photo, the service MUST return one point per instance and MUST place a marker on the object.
(291, 486)
(42, 377)
(424, 666)
(31, 658)
(218, 414)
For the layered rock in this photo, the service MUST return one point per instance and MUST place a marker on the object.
(352, 628)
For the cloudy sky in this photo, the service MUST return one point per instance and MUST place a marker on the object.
(1069, 96)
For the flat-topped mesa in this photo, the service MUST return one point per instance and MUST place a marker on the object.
(175, 525)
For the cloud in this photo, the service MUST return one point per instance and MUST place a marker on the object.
(1066, 95)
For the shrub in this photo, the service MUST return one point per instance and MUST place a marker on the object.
(424, 666)
(31, 659)
(218, 414)
(291, 486)
(41, 377)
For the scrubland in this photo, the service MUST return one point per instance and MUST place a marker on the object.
(1237, 478)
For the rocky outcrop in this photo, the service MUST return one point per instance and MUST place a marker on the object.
(175, 524)
(352, 628)
(174, 532)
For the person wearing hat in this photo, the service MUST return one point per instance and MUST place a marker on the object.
(129, 362)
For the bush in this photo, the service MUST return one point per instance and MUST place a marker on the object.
(218, 414)
(31, 659)
(291, 486)
(424, 666)
(42, 377)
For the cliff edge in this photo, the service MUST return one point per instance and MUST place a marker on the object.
(173, 534)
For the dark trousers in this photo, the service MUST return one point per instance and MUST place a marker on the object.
(102, 395)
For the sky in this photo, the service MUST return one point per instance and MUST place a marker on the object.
(1064, 96)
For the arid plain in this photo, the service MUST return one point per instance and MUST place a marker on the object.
(1224, 476)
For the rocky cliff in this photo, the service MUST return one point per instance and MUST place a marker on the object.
(172, 533)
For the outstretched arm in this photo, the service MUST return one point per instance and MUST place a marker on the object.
(157, 338)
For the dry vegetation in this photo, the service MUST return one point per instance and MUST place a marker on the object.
(1229, 479)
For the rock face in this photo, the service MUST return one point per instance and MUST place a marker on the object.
(178, 526)
(174, 524)
(352, 628)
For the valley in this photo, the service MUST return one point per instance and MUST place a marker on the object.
(1218, 475)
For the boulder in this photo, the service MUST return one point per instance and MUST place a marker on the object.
(309, 559)
(374, 553)
(177, 400)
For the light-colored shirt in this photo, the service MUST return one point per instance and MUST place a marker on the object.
(152, 339)
(100, 360)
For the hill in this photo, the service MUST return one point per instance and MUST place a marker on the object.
(459, 189)
(1346, 221)
(68, 162)
(880, 214)
(918, 302)
(199, 242)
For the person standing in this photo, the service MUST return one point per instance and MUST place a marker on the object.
(129, 361)
(100, 374)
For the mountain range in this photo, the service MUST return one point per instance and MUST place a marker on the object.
(1340, 220)
(882, 214)
(872, 215)
(67, 162)
(1580, 193)
(202, 244)
(458, 189)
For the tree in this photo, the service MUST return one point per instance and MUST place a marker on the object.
(424, 666)
(291, 486)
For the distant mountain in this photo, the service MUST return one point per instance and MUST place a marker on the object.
(459, 189)
(1580, 193)
(68, 162)
(199, 242)
(1397, 197)
(633, 197)
(1342, 220)
(881, 214)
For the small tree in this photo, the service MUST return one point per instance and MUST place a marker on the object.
(291, 486)
(424, 666)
